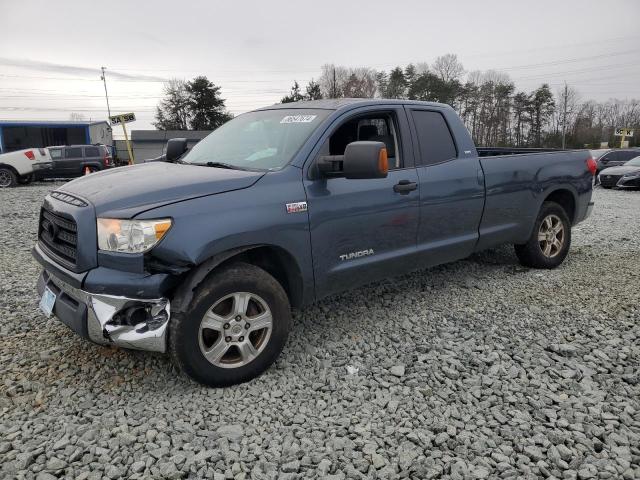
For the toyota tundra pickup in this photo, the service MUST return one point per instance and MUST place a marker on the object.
(203, 255)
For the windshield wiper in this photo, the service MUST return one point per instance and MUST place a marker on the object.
(219, 165)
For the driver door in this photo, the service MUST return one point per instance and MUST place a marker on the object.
(366, 229)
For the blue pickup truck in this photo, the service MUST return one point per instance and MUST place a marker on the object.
(203, 255)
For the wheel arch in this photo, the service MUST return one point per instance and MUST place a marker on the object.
(275, 260)
(10, 167)
(566, 198)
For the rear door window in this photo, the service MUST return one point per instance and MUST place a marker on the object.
(73, 152)
(55, 153)
(435, 142)
(91, 152)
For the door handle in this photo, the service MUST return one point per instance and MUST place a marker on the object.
(403, 187)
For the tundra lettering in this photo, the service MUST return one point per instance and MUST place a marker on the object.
(361, 253)
(193, 254)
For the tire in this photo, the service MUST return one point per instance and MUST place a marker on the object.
(26, 179)
(8, 178)
(553, 249)
(220, 297)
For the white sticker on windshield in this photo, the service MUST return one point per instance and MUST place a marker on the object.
(298, 119)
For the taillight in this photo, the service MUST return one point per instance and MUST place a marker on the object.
(592, 165)
(30, 155)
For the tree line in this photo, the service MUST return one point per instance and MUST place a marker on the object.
(493, 109)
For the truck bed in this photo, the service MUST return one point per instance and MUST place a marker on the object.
(515, 182)
(494, 151)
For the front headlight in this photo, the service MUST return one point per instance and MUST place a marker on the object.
(130, 236)
(631, 176)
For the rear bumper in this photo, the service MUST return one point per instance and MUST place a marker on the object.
(107, 319)
(42, 166)
(589, 210)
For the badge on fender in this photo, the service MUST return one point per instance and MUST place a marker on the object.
(296, 207)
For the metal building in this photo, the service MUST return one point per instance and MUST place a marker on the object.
(148, 144)
(19, 134)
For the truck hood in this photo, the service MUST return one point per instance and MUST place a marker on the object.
(127, 191)
(621, 170)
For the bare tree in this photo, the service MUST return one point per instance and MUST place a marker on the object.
(337, 81)
(360, 84)
(422, 68)
(568, 105)
(448, 68)
(332, 80)
(172, 113)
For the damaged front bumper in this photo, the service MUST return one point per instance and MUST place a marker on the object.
(110, 320)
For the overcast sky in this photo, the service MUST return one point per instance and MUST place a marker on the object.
(51, 52)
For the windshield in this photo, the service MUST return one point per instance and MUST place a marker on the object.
(634, 162)
(262, 140)
(596, 154)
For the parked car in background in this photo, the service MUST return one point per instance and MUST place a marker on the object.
(615, 158)
(76, 160)
(624, 176)
(20, 166)
(598, 152)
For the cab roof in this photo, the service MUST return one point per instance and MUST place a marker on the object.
(345, 103)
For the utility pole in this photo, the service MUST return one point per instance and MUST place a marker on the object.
(564, 116)
(334, 87)
(104, 80)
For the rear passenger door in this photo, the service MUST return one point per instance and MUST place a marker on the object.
(92, 157)
(451, 190)
(72, 165)
(57, 162)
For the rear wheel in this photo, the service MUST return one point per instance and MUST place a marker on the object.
(8, 178)
(26, 179)
(550, 240)
(234, 329)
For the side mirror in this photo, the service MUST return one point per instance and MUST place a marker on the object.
(175, 148)
(361, 160)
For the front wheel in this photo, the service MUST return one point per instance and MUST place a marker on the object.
(550, 239)
(234, 328)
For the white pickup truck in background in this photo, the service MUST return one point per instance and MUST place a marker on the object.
(18, 167)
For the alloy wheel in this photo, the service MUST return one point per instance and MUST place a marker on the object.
(235, 330)
(551, 236)
(5, 178)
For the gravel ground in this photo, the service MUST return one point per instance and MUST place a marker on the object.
(477, 369)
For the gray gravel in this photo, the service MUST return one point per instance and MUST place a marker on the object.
(478, 369)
